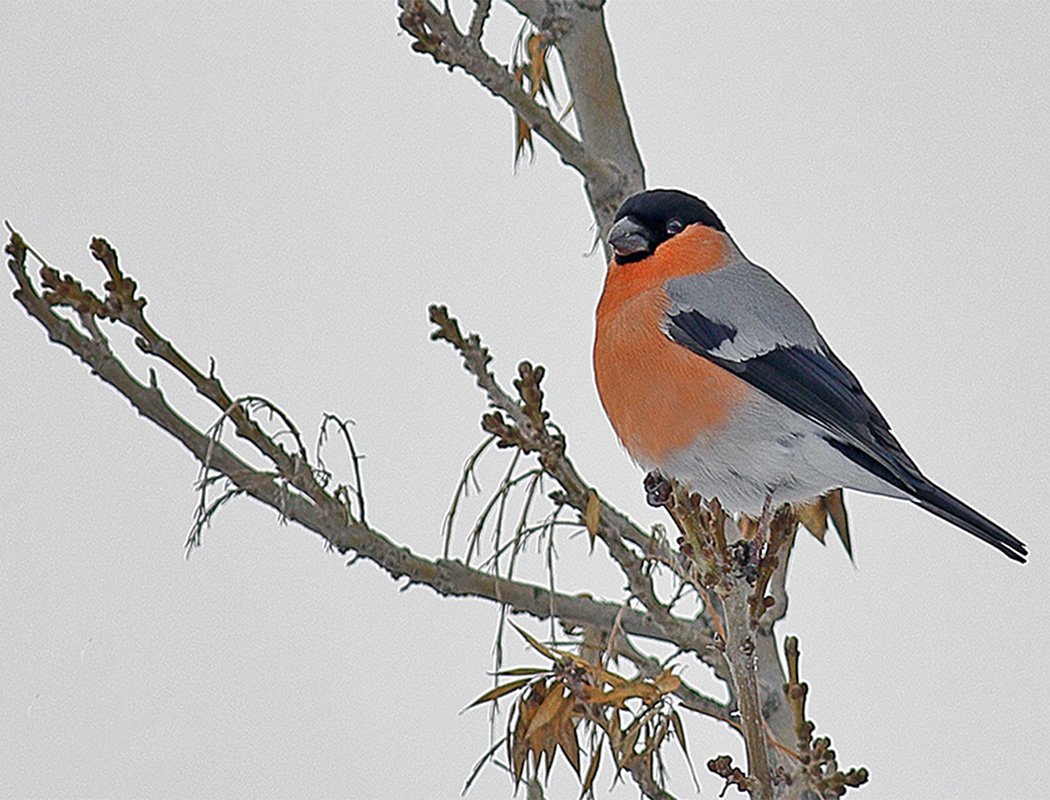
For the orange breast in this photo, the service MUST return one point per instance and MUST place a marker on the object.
(659, 396)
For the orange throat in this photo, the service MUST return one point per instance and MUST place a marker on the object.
(659, 396)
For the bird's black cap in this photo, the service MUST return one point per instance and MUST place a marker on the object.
(653, 208)
(648, 219)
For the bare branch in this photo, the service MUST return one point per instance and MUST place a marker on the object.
(477, 21)
(435, 34)
(531, 433)
(577, 29)
(820, 771)
(605, 154)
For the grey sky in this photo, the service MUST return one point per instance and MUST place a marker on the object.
(291, 185)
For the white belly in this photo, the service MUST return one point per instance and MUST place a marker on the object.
(767, 450)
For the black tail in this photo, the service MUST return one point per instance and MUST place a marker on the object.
(939, 502)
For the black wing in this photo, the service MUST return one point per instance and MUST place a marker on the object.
(814, 384)
(820, 387)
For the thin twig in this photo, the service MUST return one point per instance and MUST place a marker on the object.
(477, 20)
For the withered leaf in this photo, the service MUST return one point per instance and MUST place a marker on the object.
(593, 515)
(679, 732)
(523, 137)
(539, 76)
(517, 745)
(499, 691)
(542, 648)
(568, 742)
(553, 704)
(814, 515)
(667, 682)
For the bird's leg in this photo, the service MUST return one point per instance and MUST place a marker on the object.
(658, 489)
(756, 537)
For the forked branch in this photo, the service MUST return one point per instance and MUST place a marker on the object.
(604, 152)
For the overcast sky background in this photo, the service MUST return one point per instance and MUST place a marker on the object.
(291, 186)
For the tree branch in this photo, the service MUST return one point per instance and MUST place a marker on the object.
(577, 29)
(530, 432)
(477, 20)
(436, 35)
(605, 154)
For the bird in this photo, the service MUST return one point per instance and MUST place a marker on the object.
(712, 373)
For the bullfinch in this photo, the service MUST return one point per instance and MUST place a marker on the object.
(712, 373)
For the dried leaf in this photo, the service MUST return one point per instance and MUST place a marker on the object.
(517, 757)
(814, 515)
(499, 691)
(667, 682)
(553, 704)
(533, 70)
(679, 732)
(568, 742)
(593, 515)
(530, 704)
(537, 66)
(524, 137)
(542, 648)
(517, 745)
(539, 76)
(622, 690)
(614, 731)
(523, 133)
(619, 695)
(550, 749)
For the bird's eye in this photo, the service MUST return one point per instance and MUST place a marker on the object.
(674, 225)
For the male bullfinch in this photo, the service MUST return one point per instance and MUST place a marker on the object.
(712, 373)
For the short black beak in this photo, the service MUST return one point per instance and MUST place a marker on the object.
(628, 237)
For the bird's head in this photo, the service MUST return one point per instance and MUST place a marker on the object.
(648, 219)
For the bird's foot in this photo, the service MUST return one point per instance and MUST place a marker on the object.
(659, 490)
